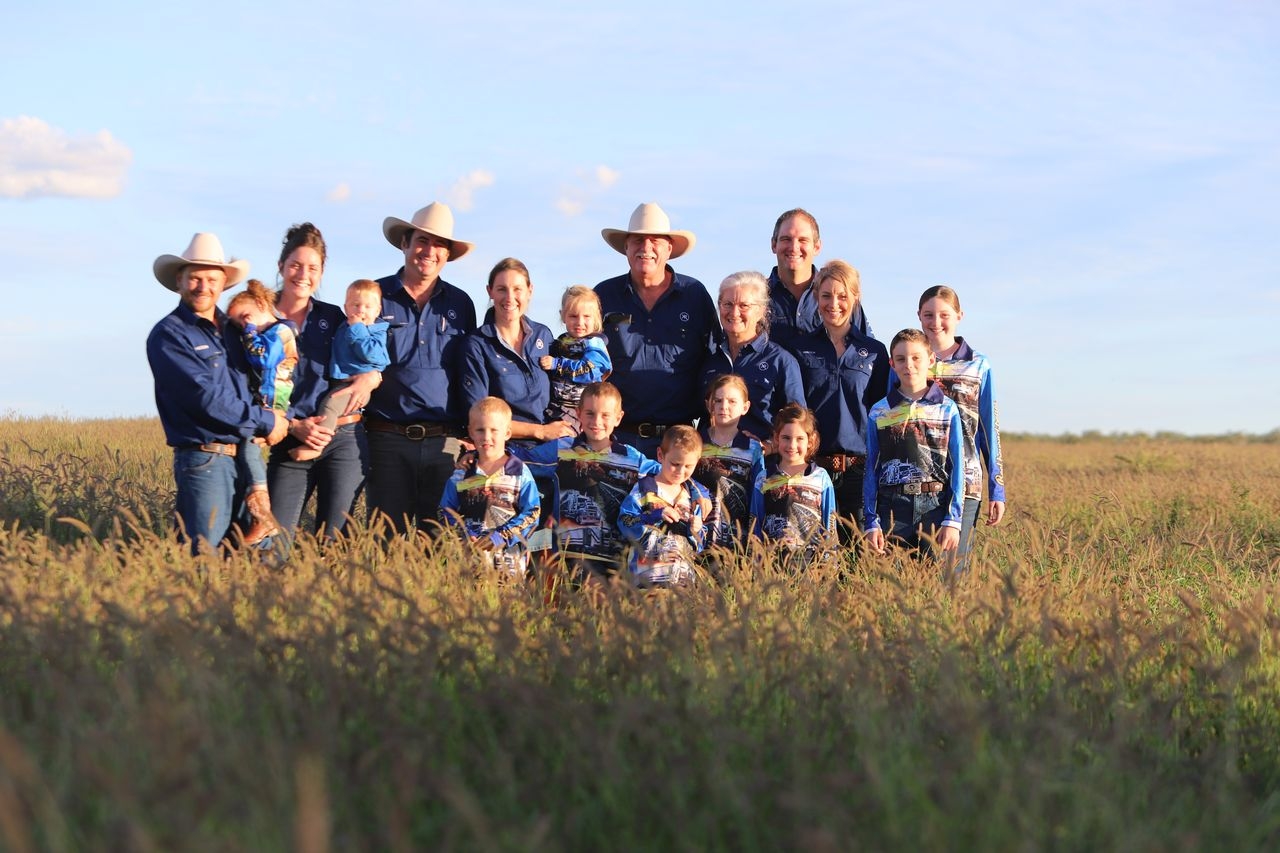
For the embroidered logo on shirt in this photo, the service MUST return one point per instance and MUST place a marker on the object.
(324, 325)
(538, 345)
(202, 347)
(764, 365)
(863, 351)
(451, 314)
(684, 316)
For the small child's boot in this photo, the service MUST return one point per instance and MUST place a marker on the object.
(264, 523)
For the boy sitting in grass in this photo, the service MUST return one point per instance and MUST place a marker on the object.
(491, 498)
(594, 475)
(914, 483)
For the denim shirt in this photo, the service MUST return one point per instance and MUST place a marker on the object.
(488, 367)
(201, 384)
(419, 383)
(657, 354)
(841, 390)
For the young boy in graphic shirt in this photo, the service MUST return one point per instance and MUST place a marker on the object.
(914, 485)
(663, 515)
(491, 498)
(594, 475)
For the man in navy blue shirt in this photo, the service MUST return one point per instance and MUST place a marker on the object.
(202, 390)
(658, 324)
(793, 307)
(413, 419)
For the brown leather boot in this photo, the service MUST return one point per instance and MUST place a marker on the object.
(264, 523)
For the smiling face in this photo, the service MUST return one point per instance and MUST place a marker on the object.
(581, 317)
(911, 363)
(835, 303)
(199, 288)
(647, 256)
(939, 319)
(510, 292)
(741, 313)
(796, 246)
(300, 273)
(362, 306)
(599, 417)
(424, 257)
(489, 432)
(792, 443)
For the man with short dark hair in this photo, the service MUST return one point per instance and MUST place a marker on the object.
(793, 308)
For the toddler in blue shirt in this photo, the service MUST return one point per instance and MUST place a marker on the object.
(579, 357)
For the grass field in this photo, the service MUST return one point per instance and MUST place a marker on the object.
(1108, 677)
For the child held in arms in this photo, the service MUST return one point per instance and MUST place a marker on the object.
(914, 486)
(578, 357)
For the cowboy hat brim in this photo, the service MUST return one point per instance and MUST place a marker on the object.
(681, 241)
(167, 268)
(394, 230)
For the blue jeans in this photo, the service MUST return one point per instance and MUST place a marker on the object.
(250, 466)
(206, 496)
(407, 477)
(906, 518)
(335, 477)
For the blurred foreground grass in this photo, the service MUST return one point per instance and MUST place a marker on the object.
(1106, 678)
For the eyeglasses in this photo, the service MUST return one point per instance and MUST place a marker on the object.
(739, 306)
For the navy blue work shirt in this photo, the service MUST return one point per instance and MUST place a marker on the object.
(201, 384)
(657, 355)
(419, 384)
(772, 376)
(841, 390)
(489, 367)
(789, 318)
(315, 346)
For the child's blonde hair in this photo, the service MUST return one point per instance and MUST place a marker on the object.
(794, 413)
(681, 437)
(575, 293)
(364, 285)
(601, 391)
(490, 406)
(254, 292)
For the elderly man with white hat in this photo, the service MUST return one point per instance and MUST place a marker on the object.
(202, 390)
(412, 419)
(659, 324)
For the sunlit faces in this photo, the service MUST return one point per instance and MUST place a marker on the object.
(489, 432)
(362, 306)
(581, 318)
(677, 465)
(939, 320)
(796, 246)
(599, 417)
(911, 362)
(741, 316)
(727, 404)
(791, 442)
(647, 254)
(424, 255)
(835, 302)
(301, 271)
(510, 293)
(199, 288)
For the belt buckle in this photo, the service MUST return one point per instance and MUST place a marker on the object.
(912, 488)
(415, 432)
(646, 430)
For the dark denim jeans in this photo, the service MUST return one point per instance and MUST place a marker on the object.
(335, 477)
(407, 477)
(206, 498)
(906, 519)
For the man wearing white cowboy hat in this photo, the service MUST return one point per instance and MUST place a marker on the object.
(658, 324)
(412, 420)
(202, 393)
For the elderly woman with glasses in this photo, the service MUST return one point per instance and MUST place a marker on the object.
(743, 347)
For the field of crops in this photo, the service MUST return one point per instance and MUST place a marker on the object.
(1107, 677)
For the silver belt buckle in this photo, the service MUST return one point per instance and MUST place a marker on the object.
(912, 488)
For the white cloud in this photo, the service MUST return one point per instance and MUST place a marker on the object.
(38, 160)
(570, 207)
(606, 177)
(339, 194)
(591, 182)
(462, 194)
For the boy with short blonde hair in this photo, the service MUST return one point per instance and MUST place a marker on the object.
(663, 515)
(491, 498)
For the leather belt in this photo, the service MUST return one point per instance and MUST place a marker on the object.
(349, 419)
(413, 432)
(838, 463)
(644, 429)
(929, 488)
(216, 447)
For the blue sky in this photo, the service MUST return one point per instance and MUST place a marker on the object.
(1098, 181)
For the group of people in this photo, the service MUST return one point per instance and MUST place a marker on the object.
(504, 428)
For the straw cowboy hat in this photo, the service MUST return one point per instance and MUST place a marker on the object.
(206, 251)
(435, 219)
(649, 219)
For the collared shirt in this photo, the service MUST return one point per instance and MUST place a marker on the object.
(663, 551)
(772, 376)
(419, 384)
(657, 354)
(590, 488)
(729, 473)
(966, 379)
(272, 355)
(503, 506)
(315, 348)
(789, 318)
(794, 510)
(915, 441)
(578, 363)
(841, 389)
(359, 348)
(488, 366)
(201, 386)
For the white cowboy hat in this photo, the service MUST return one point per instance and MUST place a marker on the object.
(648, 218)
(206, 251)
(436, 219)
